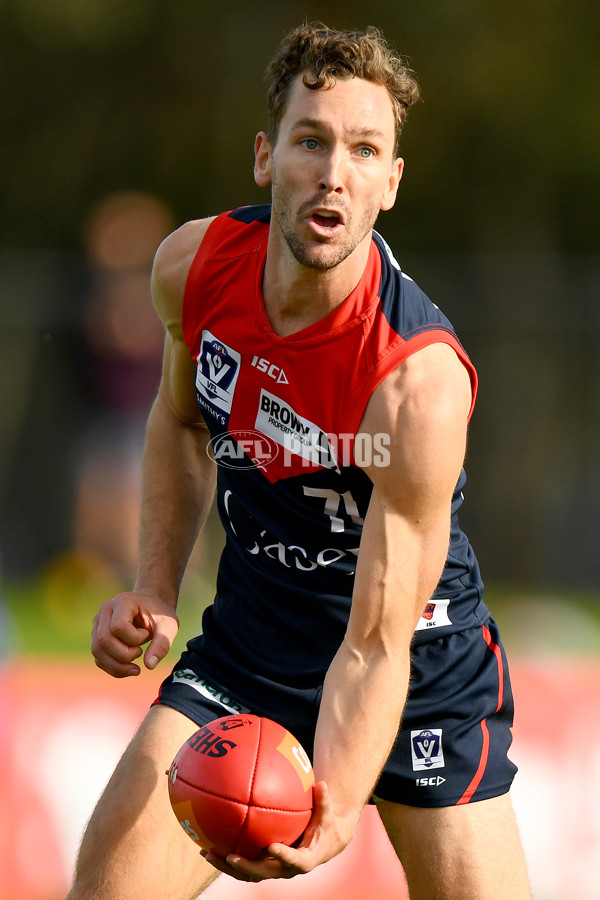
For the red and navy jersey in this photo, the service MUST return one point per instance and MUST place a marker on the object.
(284, 415)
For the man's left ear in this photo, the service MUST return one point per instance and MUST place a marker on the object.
(389, 197)
(263, 165)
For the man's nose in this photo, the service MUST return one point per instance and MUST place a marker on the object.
(333, 172)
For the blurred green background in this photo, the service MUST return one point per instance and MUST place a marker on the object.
(120, 120)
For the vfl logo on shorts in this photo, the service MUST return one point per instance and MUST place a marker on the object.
(218, 367)
(427, 752)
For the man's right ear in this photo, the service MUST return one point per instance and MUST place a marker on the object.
(263, 161)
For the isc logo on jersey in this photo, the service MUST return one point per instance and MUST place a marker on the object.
(218, 367)
(270, 369)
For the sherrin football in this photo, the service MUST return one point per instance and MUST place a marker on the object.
(240, 783)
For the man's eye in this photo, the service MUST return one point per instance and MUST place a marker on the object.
(310, 143)
(366, 152)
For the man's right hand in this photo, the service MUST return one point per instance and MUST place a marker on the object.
(127, 622)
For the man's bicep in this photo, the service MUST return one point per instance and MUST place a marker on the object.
(177, 386)
(422, 408)
(169, 276)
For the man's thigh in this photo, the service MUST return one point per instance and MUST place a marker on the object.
(459, 852)
(134, 847)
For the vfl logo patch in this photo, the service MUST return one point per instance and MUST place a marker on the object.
(293, 432)
(427, 752)
(218, 367)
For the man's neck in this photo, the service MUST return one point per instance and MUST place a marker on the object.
(296, 297)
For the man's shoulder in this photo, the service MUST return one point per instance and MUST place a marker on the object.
(431, 384)
(177, 253)
(180, 247)
(249, 215)
(172, 264)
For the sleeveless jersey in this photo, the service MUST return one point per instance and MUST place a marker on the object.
(284, 413)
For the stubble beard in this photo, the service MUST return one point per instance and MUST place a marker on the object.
(311, 254)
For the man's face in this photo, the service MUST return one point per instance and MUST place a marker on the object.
(332, 168)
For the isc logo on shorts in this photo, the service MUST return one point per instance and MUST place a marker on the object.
(435, 615)
(427, 752)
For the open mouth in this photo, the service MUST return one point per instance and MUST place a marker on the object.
(327, 222)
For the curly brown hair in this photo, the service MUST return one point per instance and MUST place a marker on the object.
(322, 55)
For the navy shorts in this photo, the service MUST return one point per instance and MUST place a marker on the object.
(456, 727)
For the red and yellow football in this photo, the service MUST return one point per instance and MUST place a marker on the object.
(240, 783)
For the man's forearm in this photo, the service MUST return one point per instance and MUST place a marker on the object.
(365, 690)
(360, 713)
(177, 491)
